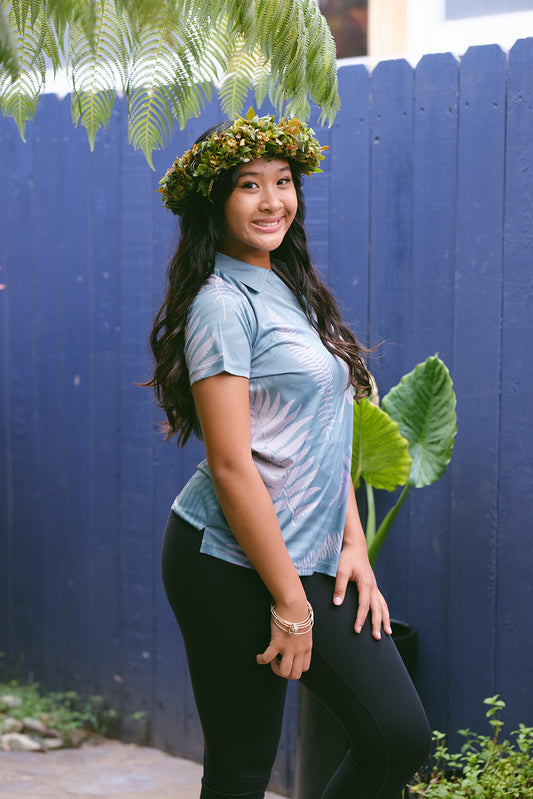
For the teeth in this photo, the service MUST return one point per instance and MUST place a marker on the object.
(267, 224)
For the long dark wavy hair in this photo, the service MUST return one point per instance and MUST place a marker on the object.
(202, 229)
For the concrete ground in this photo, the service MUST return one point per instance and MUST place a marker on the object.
(109, 770)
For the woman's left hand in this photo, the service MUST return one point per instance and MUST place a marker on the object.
(354, 566)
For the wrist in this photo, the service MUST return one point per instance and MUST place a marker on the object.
(292, 608)
(301, 627)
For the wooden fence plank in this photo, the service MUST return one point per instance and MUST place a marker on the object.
(348, 162)
(7, 572)
(107, 387)
(176, 726)
(47, 229)
(476, 366)
(78, 411)
(514, 648)
(25, 542)
(430, 332)
(391, 136)
(137, 568)
(316, 189)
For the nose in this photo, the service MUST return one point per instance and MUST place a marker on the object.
(270, 199)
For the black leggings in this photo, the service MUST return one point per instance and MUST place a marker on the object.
(223, 611)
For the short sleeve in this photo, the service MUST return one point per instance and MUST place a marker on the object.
(219, 331)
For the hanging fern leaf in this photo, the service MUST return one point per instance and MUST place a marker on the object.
(194, 96)
(150, 120)
(8, 49)
(237, 83)
(321, 63)
(167, 54)
(19, 98)
(262, 80)
(96, 73)
(288, 58)
(160, 80)
(67, 13)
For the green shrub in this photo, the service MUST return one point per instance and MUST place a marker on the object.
(487, 767)
(66, 712)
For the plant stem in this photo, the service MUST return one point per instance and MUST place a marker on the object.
(370, 515)
(385, 526)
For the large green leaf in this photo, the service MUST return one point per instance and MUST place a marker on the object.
(380, 454)
(423, 405)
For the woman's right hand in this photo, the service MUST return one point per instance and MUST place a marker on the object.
(289, 655)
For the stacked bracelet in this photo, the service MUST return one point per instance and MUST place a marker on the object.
(294, 627)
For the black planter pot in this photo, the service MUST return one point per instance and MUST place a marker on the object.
(322, 743)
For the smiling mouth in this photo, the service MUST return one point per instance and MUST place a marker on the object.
(268, 223)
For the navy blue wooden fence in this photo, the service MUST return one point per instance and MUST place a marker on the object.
(423, 224)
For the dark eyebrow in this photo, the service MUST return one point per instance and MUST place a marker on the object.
(255, 174)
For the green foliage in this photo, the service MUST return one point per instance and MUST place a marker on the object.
(423, 405)
(8, 50)
(407, 442)
(31, 34)
(166, 55)
(95, 71)
(65, 712)
(380, 454)
(487, 767)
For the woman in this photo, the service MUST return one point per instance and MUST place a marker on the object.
(264, 556)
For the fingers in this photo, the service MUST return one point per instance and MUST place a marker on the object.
(386, 619)
(284, 661)
(339, 592)
(362, 611)
(371, 600)
(268, 655)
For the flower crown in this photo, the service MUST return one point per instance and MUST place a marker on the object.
(246, 139)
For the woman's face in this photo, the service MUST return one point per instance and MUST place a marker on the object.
(259, 211)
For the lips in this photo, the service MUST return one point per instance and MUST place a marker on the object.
(268, 224)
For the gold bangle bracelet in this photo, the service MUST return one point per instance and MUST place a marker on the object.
(294, 627)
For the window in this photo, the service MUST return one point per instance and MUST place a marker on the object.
(347, 20)
(459, 9)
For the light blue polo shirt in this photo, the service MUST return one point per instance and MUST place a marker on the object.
(247, 322)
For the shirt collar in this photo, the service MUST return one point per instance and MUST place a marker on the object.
(252, 276)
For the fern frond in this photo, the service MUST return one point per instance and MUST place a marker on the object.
(237, 83)
(166, 54)
(161, 78)
(66, 13)
(191, 97)
(138, 12)
(19, 98)
(288, 54)
(321, 63)
(262, 79)
(8, 48)
(215, 56)
(96, 73)
(20, 12)
(244, 16)
(50, 43)
(150, 120)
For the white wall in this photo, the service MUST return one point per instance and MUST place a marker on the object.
(428, 31)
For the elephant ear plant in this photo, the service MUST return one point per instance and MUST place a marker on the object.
(407, 442)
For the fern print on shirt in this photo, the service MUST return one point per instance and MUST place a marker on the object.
(247, 322)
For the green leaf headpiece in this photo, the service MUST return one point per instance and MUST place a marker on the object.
(246, 139)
